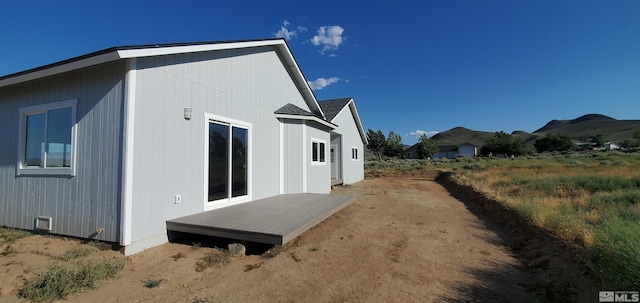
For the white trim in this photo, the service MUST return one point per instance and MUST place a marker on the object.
(211, 118)
(357, 158)
(281, 157)
(307, 118)
(323, 142)
(280, 45)
(59, 69)
(43, 108)
(304, 156)
(194, 48)
(126, 223)
(141, 245)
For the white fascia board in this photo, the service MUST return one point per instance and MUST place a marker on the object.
(307, 118)
(170, 50)
(356, 117)
(135, 53)
(303, 85)
(58, 69)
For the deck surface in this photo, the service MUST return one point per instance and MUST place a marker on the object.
(275, 220)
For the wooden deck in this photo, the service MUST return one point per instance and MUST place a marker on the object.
(275, 220)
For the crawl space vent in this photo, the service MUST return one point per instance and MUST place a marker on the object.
(43, 223)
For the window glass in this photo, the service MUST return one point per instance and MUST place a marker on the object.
(34, 140)
(314, 151)
(239, 159)
(59, 137)
(321, 152)
(218, 161)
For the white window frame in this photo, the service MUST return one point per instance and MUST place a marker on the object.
(320, 143)
(21, 169)
(215, 204)
(354, 148)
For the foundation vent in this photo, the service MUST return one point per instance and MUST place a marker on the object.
(44, 223)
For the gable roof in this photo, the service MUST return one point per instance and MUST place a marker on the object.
(290, 111)
(138, 51)
(333, 107)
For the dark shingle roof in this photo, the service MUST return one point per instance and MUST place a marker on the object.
(291, 109)
(331, 108)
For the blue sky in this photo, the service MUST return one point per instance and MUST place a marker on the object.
(412, 66)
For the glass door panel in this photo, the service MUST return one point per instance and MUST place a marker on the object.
(239, 160)
(218, 161)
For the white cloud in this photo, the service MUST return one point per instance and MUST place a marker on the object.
(287, 33)
(418, 133)
(329, 37)
(321, 83)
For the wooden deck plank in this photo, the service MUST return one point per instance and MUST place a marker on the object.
(274, 220)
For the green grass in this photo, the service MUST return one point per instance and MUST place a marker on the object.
(77, 253)
(61, 280)
(10, 235)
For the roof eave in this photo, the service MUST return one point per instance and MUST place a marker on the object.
(61, 67)
(307, 118)
(356, 116)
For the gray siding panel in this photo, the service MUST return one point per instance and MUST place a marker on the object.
(243, 84)
(90, 200)
(318, 175)
(293, 160)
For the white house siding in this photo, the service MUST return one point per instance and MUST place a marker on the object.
(293, 160)
(318, 176)
(352, 170)
(242, 84)
(79, 204)
(467, 150)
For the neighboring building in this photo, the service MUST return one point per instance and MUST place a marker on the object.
(611, 146)
(112, 144)
(465, 149)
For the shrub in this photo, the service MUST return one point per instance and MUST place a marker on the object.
(59, 281)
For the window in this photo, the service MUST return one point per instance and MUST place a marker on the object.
(47, 139)
(228, 159)
(354, 153)
(317, 151)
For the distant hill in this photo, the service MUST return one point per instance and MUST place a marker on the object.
(459, 135)
(588, 125)
(579, 129)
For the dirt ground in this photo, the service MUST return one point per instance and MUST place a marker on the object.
(405, 239)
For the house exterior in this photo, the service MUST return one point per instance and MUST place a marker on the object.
(465, 149)
(112, 144)
(347, 140)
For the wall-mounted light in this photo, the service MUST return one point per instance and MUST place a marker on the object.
(187, 113)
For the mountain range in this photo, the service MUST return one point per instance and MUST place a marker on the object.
(579, 129)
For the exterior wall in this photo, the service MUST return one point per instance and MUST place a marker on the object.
(91, 199)
(468, 150)
(317, 176)
(447, 154)
(293, 160)
(169, 152)
(352, 170)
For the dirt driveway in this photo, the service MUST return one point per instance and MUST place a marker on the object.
(405, 239)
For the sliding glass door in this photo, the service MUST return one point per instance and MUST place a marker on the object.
(228, 161)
